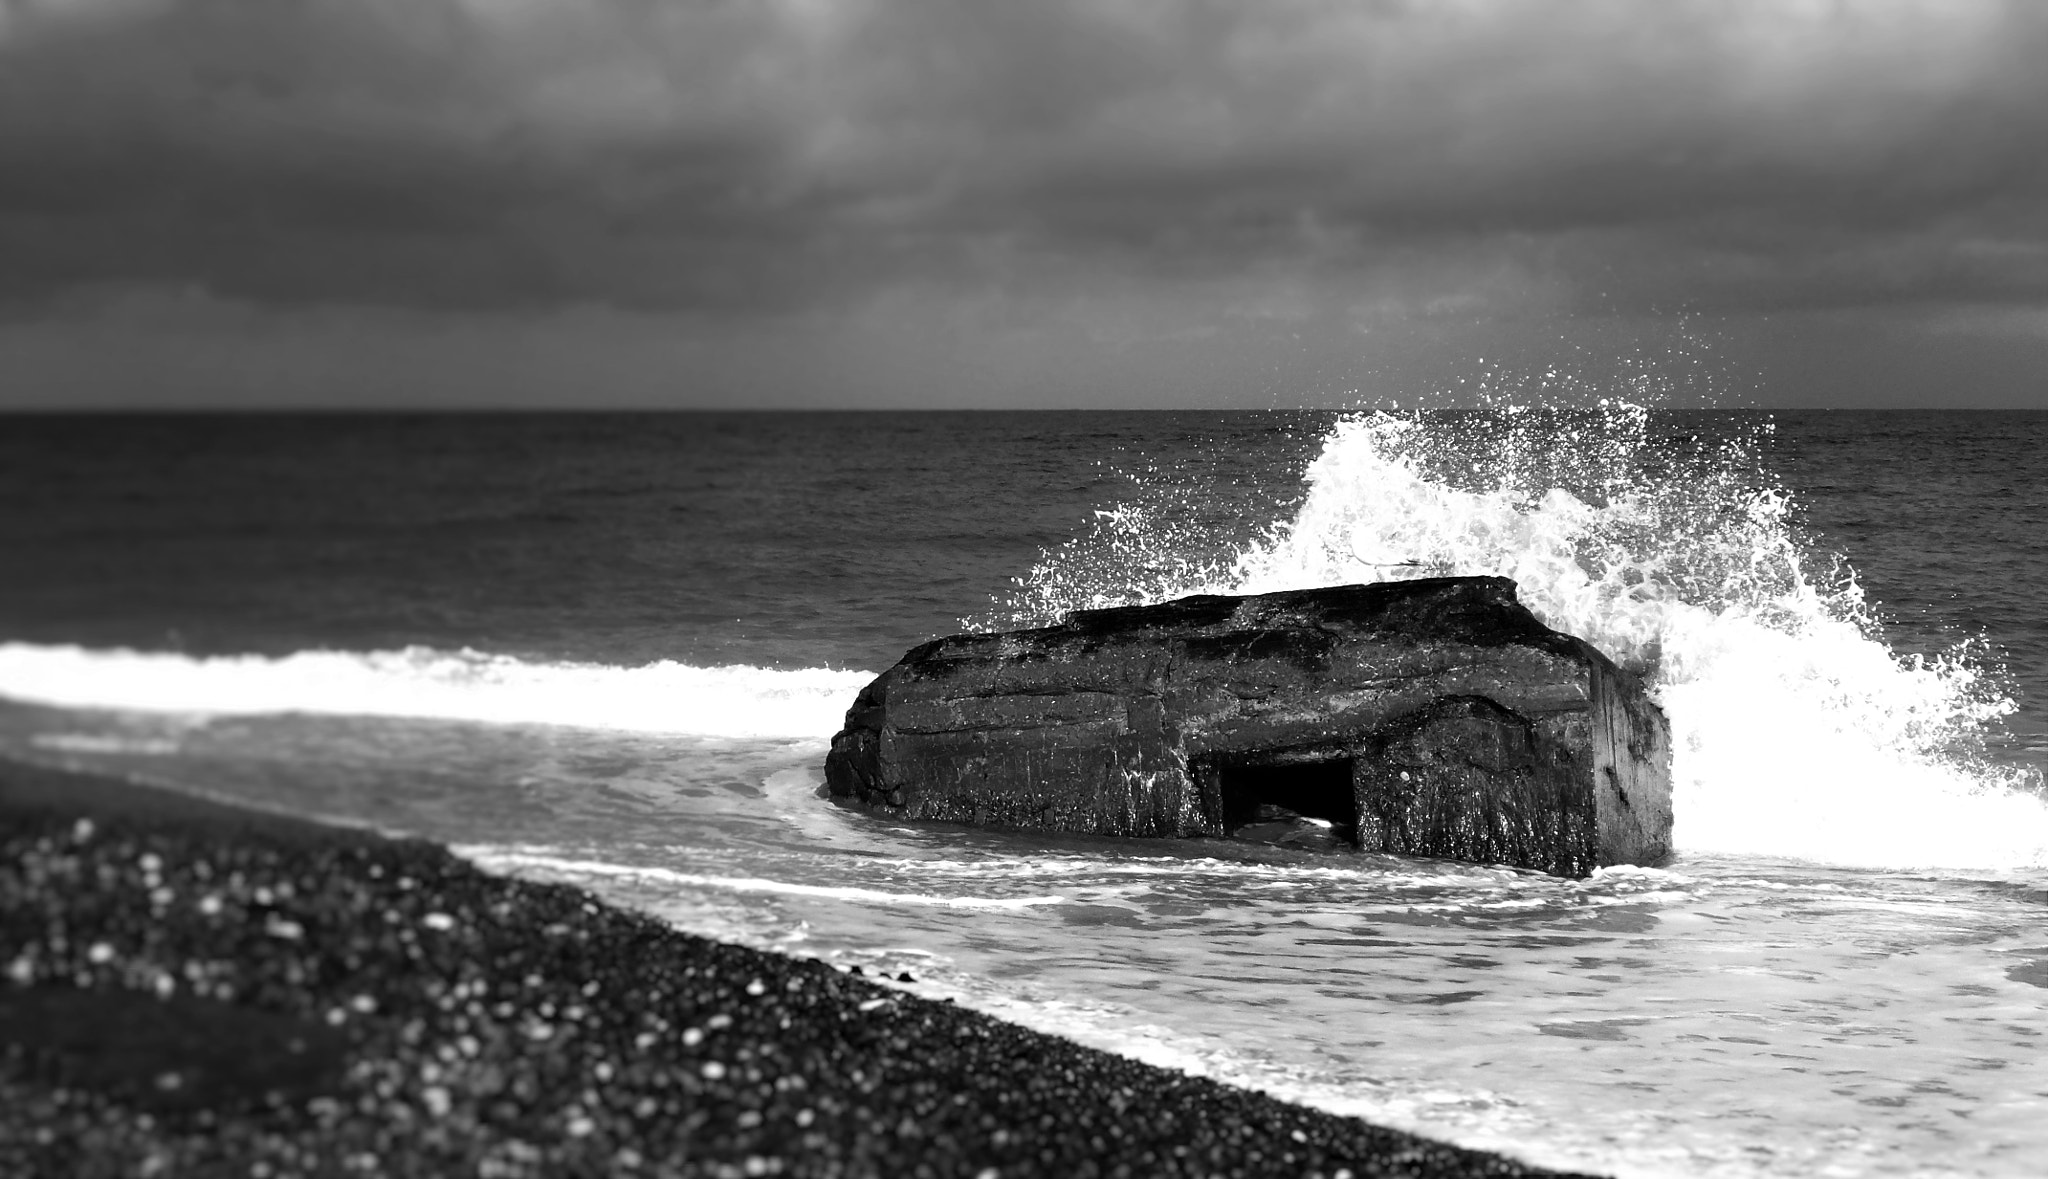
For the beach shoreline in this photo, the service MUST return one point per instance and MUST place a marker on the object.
(196, 988)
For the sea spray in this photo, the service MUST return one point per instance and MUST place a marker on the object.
(1797, 731)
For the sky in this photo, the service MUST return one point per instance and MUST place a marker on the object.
(1053, 203)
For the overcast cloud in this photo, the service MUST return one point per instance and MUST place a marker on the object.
(936, 188)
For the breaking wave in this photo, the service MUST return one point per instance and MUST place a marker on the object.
(1797, 731)
(666, 697)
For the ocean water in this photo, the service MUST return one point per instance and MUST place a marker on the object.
(611, 649)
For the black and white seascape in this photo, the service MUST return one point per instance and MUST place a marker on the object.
(529, 425)
(610, 650)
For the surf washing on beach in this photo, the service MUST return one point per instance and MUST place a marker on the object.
(622, 670)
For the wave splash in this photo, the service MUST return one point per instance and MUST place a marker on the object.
(1797, 731)
(731, 701)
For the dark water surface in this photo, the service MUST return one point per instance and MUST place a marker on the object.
(776, 539)
(797, 539)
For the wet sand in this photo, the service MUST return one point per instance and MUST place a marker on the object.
(196, 989)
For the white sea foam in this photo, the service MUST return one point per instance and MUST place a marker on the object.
(664, 697)
(1797, 731)
(103, 743)
(519, 860)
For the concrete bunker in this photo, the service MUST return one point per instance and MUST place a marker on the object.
(1434, 717)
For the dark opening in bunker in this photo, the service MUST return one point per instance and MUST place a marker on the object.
(1255, 790)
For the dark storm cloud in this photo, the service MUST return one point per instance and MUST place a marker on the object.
(720, 155)
(423, 152)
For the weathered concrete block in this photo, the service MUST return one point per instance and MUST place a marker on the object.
(1435, 717)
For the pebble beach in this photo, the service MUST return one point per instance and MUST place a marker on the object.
(196, 989)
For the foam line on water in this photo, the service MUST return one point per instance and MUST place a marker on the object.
(499, 859)
(664, 697)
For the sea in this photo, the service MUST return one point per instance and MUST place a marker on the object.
(611, 649)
